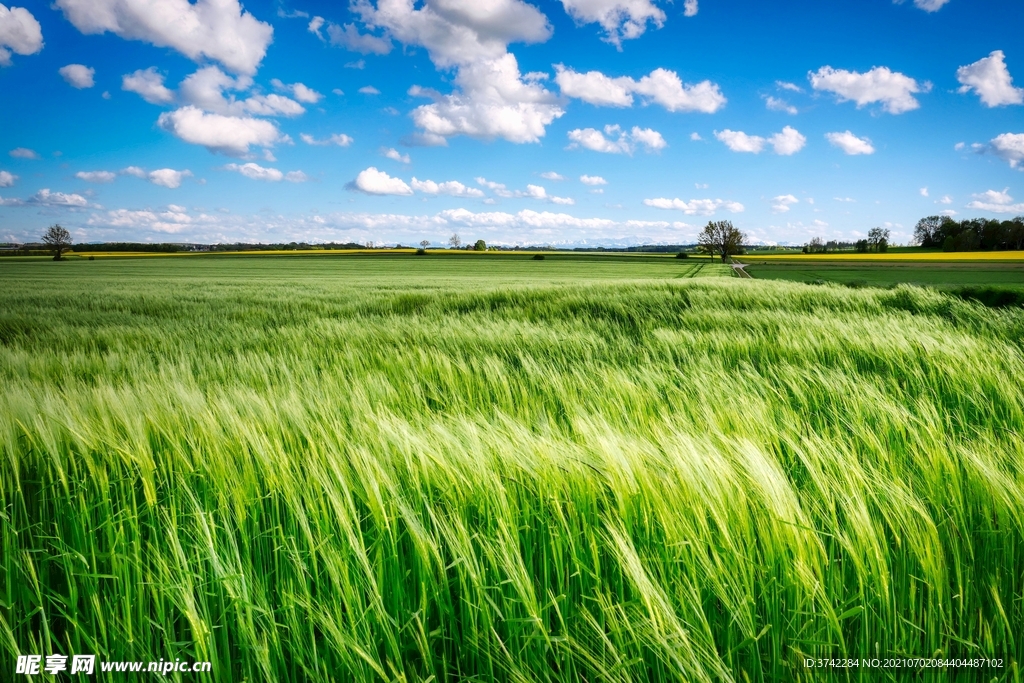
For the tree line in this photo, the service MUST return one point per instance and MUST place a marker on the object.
(970, 234)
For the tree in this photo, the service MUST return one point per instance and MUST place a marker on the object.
(57, 239)
(878, 239)
(454, 242)
(480, 246)
(720, 237)
(815, 246)
(424, 243)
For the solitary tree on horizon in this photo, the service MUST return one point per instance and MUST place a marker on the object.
(454, 242)
(57, 239)
(722, 238)
(424, 243)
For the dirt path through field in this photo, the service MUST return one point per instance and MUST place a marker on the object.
(738, 268)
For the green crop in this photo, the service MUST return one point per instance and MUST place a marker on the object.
(515, 470)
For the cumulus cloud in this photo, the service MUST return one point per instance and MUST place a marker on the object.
(206, 29)
(133, 171)
(369, 90)
(492, 99)
(256, 172)
(46, 198)
(777, 104)
(661, 86)
(229, 135)
(991, 80)
(20, 33)
(339, 139)
(205, 89)
(946, 199)
(148, 84)
(690, 8)
(349, 37)
(787, 142)
(926, 5)
(893, 90)
(314, 26)
(299, 91)
(850, 143)
(614, 140)
(168, 177)
(621, 19)
(372, 181)
(551, 175)
(78, 75)
(96, 176)
(995, 202)
(7, 179)
(593, 180)
(695, 207)
(924, 191)
(23, 153)
(452, 187)
(782, 203)
(395, 155)
(1009, 146)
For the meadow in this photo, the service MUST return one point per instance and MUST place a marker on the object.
(360, 468)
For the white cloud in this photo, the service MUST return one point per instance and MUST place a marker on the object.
(850, 143)
(593, 180)
(620, 19)
(491, 99)
(926, 5)
(369, 90)
(695, 207)
(690, 8)
(314, 26)
(339, 139)
(924, 191)
(895, 91)
(948, 212)
(991, 80)
(19, 33)
(946, 199)
(787, 142)
(96, 176)
(227, 134)
(845, 200)
(215, 29)
(296, 177)
(395, 155)
(536, 192)
(149, 84)
(205, 89)
(23, 153)
(372, 181)
(256, 172)
(46, 198)
(777, 104)
(551, 175)
(168, 177)
(738, 141)
(349, 37)
(566, 201)
(617, 141)
(78, 75)
(452, 187)
(785, 85)
(704, 186)
(7, 179)
(1009, 146)
(995, 202)
(299, 91)
(782, 203)
(133, 171)
(661, 86)
(695, 137)
(594, 87)
(357, 64)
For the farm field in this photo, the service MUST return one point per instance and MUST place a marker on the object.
(586, 468)
(944, 274)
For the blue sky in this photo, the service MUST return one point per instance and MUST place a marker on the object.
(568, 122)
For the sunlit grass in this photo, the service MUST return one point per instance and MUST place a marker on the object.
(329, 477)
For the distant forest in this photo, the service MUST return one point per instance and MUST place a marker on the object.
(971, 234)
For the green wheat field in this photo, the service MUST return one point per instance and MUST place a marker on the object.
(505, 469)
